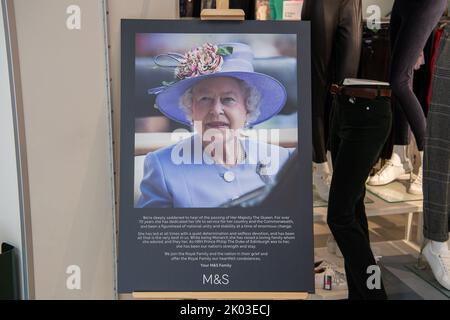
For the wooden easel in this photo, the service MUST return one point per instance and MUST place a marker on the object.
(223, 12)
(220, 295)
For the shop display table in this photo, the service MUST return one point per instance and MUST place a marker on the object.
(380, 205)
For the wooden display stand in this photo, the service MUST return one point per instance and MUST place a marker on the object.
(221, 13)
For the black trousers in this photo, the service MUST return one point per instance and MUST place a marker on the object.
(412, 22)
(336, 36)
(359, 129)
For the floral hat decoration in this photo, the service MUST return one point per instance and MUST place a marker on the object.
(210, 60)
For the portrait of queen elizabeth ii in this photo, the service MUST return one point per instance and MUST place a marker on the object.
(219, 95)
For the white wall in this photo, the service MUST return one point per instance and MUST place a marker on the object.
(64, 80)
(130, 9)
(10, 223)
(66, 111)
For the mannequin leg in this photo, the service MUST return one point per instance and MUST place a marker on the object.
(418, 19)
(401, 127)
(414, 21)
(436, 159)
(416, 186)
(436, 169)
(399, 167)
(322, 179)
(356, 141)
(438, 256)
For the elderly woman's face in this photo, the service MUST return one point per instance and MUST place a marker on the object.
(219, 103)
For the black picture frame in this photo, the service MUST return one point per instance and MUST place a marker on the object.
(288, 268)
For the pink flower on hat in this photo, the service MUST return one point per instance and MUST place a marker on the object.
(233, 60)
(202, 60)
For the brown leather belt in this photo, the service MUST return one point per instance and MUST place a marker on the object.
(365, 93)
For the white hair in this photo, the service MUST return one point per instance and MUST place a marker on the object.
(251, 94)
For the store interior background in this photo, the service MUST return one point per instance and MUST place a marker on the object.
(67, 190)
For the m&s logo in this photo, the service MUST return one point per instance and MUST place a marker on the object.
(216, 279)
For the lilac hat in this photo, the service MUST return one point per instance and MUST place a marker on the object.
(224, 60)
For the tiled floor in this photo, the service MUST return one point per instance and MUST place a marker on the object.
(387, 233)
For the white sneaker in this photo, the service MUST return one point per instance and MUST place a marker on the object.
(376, 256)
(390, 172)
(440, 265)
(322, 180)
(416, 184)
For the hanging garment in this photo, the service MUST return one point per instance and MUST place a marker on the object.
(375, 54)
(336, 31)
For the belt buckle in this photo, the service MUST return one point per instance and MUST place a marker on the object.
(335, 89)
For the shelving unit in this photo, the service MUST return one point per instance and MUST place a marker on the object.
(375, 206)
